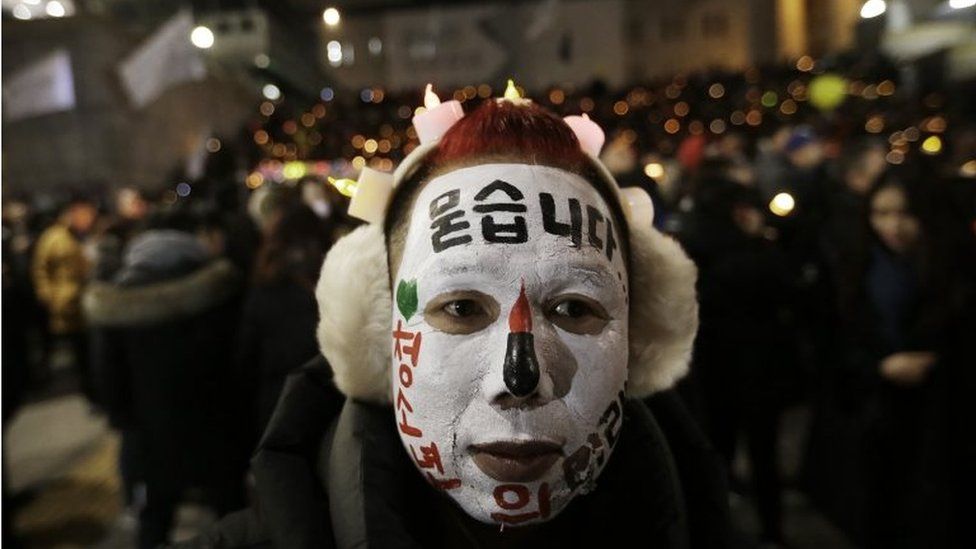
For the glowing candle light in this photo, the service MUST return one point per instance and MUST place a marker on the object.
(511, 91)
(345, 186)
(437, 117)
(512, 95)
(589, 133)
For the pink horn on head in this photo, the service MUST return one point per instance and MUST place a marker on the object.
(588, 132)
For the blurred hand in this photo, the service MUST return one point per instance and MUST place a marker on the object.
(909, 368)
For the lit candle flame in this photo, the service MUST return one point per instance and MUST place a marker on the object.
(511, 91)
(430, 98)
(347, 187)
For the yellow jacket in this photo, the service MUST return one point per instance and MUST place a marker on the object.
(59, 270)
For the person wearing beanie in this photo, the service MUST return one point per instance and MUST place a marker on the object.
(162, 339)
(498, 347)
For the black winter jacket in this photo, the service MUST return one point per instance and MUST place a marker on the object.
(162, 348)
(332, 473)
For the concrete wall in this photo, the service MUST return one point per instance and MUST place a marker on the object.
(674, 36)
(538, 43)
(103, 140)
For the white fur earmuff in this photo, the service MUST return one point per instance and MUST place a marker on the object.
(355, 305)
(663, 311)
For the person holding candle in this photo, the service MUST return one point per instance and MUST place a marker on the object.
(499, 346)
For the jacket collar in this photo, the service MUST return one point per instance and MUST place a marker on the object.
(107, 304)
(377, 499)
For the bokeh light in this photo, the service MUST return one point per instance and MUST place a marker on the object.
(331, 17)
(827, 91)
(202, 37)
(654, 170)
(932, 145)
(782, 204)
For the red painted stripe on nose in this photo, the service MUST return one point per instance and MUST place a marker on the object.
(520, 319)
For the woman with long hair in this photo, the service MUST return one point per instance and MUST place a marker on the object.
(904, 301)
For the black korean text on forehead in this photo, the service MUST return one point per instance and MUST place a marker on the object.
(497, 210)
(498, 217)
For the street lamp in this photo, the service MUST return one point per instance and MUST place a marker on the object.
(271, 92)
(22, 12)
(55, 9)
(331, 17)
(202, 37)
(873, 8)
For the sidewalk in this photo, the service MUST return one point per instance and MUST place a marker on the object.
(62, 470)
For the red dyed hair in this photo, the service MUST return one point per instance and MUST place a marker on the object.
(525, 133)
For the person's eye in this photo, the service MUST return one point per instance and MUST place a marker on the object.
(579, 315)
(461, 312)
(463, 308)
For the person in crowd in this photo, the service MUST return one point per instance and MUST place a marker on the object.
(239, 235)
(745, 355)
(130, 210)
(162, 340)
(59, 271)
(888, 443)
(858, 171)
(18, 301)
(279, 316)
(806, 180)
(772, 164)
(15, 345)
(478, 344)
(732, 147)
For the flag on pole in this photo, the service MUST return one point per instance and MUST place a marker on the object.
(166, 59)
(43, 87)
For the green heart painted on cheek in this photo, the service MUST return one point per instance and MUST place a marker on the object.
(406, 298)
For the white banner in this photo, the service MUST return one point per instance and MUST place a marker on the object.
(42, 87)
(167, 58)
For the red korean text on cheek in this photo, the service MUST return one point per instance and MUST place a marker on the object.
(406, 349)
(516, 499)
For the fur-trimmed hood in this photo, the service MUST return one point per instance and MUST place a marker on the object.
(107, 304)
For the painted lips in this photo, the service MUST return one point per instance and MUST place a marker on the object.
(516, 461)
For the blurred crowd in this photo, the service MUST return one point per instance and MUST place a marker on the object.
(836, 272)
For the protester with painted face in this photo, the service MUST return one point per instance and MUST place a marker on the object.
(489, 338)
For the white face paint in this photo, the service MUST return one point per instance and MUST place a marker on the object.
(512, 441)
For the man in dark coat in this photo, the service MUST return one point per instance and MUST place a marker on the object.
(163, 334)
(745, 353)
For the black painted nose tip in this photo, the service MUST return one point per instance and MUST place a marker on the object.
(521, 371)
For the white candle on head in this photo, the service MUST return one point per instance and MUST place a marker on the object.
(588, 132)
(437, 118)
(371, 193)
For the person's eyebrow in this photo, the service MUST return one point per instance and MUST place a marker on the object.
(591, 272)
(461, 264)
